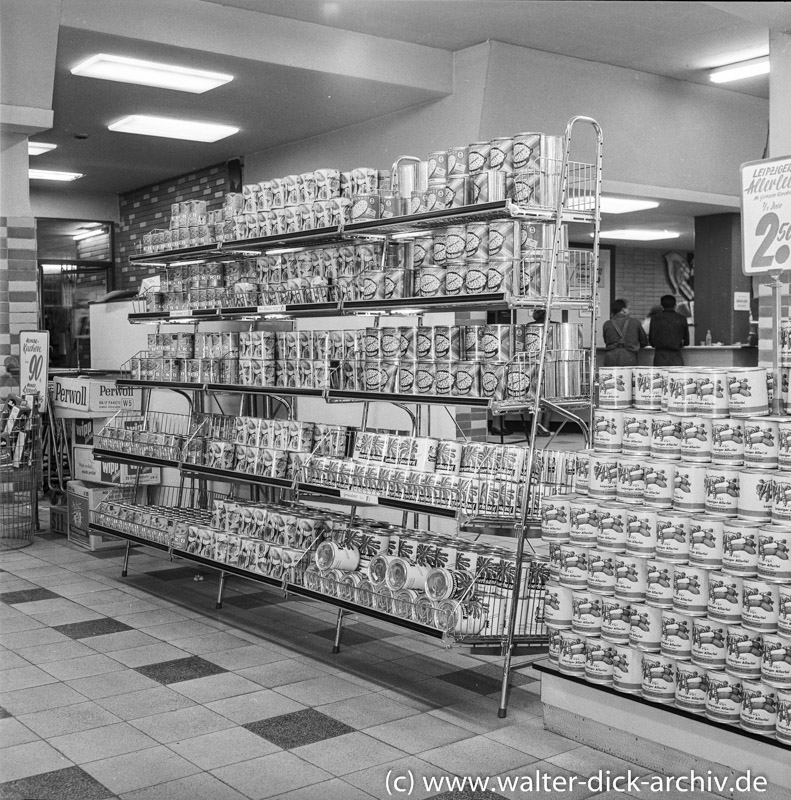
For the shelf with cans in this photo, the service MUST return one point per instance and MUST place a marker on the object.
(473, 482)
(441, 585)
(500, 249)
(483, 365)
(464, 266)
(671, 571)
(461, 181)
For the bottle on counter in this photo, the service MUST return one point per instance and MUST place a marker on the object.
(708, 338)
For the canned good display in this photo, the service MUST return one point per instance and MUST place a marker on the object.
(460, 588)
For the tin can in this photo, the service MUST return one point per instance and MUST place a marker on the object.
(616, 620)
(747, 392)
(761, 442)
(727, 445)
(712, 391)
(458, 191)
(648, 386)
(612, 527)
(689, 487)
(573, 569)
(706, 541)
(776, 660)
(755, 495)
(760, 605)
(615, 387)
(725, 598)
(503, 240)
(558, 606)
(774, 553)
(666, 436)
(455, 242)
(584, 517)
(690, 590)
(641, 531)
(781, 498)
(496, 342)
(582, 472)
(659, 483)
(724, 697)
(676, 639)
(478, 156)
(627, 670)
(740, 547)
(784, 613)
(571, 658)
(645, 631)
(466, 379)
(759, 708)
(607, 430)
(457, 161)
(672, 536)
(659, 584)
(438, 166)
(477, 241)
(709, 643)
(744, 652)
(631, 480)
(555, 518)
(603, 476)
(636, 438)
(722, 490)
(493, 380)
(446, 342)
(630, 577)
(784, 443)
(586, 613)
(691, 687)
(599, 661)
(783, 726)
(696, 439)
(681, 391)
(659, 678)
(601, 572)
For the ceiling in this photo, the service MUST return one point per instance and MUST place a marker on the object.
(269, 96)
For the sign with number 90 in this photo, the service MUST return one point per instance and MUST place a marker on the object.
(766, 215)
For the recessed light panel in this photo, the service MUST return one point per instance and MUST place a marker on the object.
(37, 148)
(150, 73)
(173, 128)
(638, 235)
(53, 175)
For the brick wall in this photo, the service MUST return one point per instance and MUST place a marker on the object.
(96, 248)
(149, 208)
(18, 307)
(640, 278)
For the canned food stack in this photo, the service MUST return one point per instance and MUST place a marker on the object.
(677, 560)
(476, 478)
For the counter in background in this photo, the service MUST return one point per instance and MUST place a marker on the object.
(696, 356)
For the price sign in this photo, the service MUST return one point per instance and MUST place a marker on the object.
(766, 215)
(34, 364)
(272, 309)
(359, 497)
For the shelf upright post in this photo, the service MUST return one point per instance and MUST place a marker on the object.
(527, 504)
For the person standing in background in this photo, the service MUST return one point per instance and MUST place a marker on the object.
(623, 337)
(669, 332)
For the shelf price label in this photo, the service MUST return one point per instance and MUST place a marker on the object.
(272, 309)
(766, 215)
(359, 497)
(181, 312)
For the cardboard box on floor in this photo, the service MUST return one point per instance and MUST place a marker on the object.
(81, 497)
(86, 468)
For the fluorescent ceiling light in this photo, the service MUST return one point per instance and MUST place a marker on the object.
(610, 205)
(53, 175)
(150, 73)
(742, 69)
(624, 205)
(637, 235)
(172, 128)
(88, 234)
(37, 148)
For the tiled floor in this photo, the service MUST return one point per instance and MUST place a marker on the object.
(139, 689)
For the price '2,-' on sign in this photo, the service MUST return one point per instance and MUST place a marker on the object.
(766, 215)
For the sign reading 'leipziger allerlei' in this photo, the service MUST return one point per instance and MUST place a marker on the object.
(766, 215)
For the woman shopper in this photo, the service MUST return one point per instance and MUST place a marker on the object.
(624, 337)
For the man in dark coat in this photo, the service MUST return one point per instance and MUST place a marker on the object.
(623, 337)
(668, 333)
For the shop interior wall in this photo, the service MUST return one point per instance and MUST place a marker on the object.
(658, 131)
